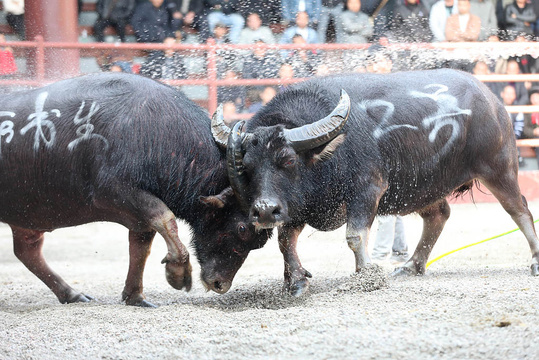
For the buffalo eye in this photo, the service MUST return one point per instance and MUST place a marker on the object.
(242, 231)
(289, 162)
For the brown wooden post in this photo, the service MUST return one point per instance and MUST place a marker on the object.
(56, 21)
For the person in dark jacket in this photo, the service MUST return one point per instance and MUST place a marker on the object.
(411, 22)
(192, 14)
(115, 13)
(153, 22)
(166, 64)
(519, 17)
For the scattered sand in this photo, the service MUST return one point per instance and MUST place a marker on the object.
(480, 303)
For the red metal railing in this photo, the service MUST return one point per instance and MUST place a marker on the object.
(210, 50)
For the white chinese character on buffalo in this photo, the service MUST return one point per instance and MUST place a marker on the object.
(85, 131)
(6, 128)
(39, 119)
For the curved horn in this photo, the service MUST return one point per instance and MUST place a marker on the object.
(219, 129)
(312, 135)
(235, 168)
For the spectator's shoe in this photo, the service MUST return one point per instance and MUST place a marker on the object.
(399, 258)
(380, 259)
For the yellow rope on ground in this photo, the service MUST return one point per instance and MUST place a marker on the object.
(467, 246)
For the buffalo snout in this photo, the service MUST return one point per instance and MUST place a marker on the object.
(216, 282)
(267, 213)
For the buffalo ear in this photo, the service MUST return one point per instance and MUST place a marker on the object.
(218, 201)
(329, 149)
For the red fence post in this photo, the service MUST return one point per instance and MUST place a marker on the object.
(212, 76)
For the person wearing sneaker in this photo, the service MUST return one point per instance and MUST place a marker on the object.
(390, 239)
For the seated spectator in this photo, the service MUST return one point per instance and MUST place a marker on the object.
(331, 11)
(527, 63)
(439, 13)
(378, 61)
(485, 10)
(286, 72)
(531, 121)
(481, 68)
(226, 59)
(302, 28)
(411, 22)
(225, 12)
(260, 64)
(269, 11)
(234, 94)
(519, 86)
(8, 67)
(290, 8)
(519, 17)
(121, 66)
(152, 22)
(115, 13)
(166, 64)
(509, 96)
(191, 13)
(109, 57)
(255, 31)
(265, 97)
(322, 70)
(303, 61)
(356, 27)
(220, 34)
(463, 26)
(14, 10)
(230, 113)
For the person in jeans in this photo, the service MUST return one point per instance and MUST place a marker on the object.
(331, 9)
(390, 239)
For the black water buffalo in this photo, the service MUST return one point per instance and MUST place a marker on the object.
(125, 149)
(399, 143)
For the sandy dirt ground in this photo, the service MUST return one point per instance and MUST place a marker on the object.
(479, 303)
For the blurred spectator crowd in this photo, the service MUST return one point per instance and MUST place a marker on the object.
(374, 22)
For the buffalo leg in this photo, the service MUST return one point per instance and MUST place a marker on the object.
(361, 213)
(139, 250)
(434, 218)
(28, 245)
(295, 276)
(141, 210)
(506, 190)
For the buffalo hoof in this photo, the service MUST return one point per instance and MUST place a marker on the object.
(144, 304)
(535, 269)
(178, 275)
(137, 300)
(78, 297)
(299, 284)
(299, 287)
(403, 271)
